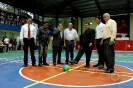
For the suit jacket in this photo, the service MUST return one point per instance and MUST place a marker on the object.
(57, 40)
(88, 37)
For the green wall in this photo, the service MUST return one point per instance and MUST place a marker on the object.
(8, 33)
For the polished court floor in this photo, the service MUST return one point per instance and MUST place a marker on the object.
(12, 75)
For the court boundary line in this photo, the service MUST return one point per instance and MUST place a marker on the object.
(74, 85)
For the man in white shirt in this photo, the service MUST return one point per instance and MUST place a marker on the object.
(28, 38)
(6, 41)
(70, 38)
(108, 41)
(99, 32)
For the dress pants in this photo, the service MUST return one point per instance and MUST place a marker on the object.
(109, 54)
(87, 50)
(69, 49)
(57, 50)
(29, 43)
(100, 51)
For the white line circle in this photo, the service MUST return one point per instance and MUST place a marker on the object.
(20, 72)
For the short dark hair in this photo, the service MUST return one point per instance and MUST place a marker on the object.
(28, 18)
(87, 23)
(59, 23)
(45, 22)
(98, 17)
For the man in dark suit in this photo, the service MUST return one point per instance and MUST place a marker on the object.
(58, 37)
(86, 45)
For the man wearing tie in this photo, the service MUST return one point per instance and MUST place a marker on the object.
(58, 42)
(70, 38)
(86, 45)
(28, 38)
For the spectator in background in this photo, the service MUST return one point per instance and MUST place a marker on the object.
(2, 15)
(6, 41)
(3, 40)
(16, 20)
(1, 47)
(35, 24)
(11, 19)
(11, 44)
(14, 44)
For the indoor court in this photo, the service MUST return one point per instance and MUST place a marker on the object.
(80, 16)
(13, 75)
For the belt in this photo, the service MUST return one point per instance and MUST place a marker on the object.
(99, 39)
(28, 38)
(70, 40)
(107, 38)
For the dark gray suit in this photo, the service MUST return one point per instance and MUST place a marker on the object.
(57, 44)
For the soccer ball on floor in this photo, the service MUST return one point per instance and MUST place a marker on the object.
(66, 67)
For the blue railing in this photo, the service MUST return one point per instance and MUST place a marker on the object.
(17, 28)
(10, 27)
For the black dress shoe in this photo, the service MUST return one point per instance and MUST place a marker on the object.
(109, 71)
(96, 65)
(34, 65)
(54, 63)
(60, 63)
(40, 65)
(86, 66)
(24, 65)
(100, 66)
(46, 64)
(66, 63)
(73, 62)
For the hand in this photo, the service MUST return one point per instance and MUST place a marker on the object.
(78, 46)
(111, 42)
(64, 45)
(75, 44)
(22, 43)
(37, 44)
(101, 43)
(90, 44)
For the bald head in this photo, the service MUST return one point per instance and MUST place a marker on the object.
(106, 17)
(70, 25)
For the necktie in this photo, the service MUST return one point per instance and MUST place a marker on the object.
(28, 31)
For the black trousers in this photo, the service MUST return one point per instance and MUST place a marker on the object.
(87, 50)
(7, 47)
(100, 51)
(69, 49)
(29, 43)
(109, 54)
(57, 50)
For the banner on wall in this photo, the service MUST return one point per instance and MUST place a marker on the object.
(122, 25)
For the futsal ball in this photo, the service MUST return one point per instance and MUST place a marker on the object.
(66, 67)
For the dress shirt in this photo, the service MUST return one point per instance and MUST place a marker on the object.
(6, 41)
(24, 32)
(99, 30)
(70, 34)
(110, 30)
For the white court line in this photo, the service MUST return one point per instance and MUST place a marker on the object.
(75, 85)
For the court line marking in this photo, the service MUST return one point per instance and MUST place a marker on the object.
(52, 77)
(97, 71)
(75, 85)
